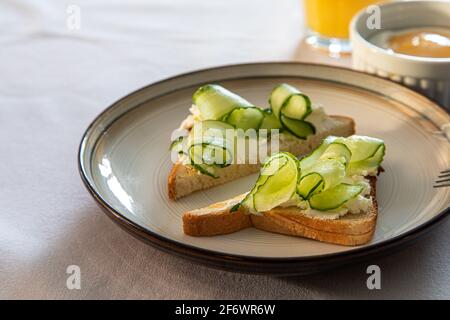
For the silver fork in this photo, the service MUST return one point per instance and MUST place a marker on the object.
(443, 179)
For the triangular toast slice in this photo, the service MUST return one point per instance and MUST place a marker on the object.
(350, 230)
(184, 179)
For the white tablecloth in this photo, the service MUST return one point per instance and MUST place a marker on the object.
(54, 78)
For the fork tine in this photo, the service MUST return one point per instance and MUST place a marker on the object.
(444, 175)
(443, 180)
(441, 185)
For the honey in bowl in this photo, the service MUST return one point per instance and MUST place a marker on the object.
(423, 42)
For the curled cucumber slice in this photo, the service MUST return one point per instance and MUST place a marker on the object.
(276, 184)
(367, 153)
(335, 197)
(273, 164)
(278, 96)
(370, 165)
(214, 101)
(270, 167)
(362, 147)
(309, 183)
(286, 99)
(177, 145)
(210, 144)
(301, 129)
(209, 131)
(324, 175)
(338, 151)
(246, 118)
(205, 169)
(217, 103)
(297, 106)
(210, 154)
(248, 201)
(291, 107)
(331, 148)
(270, 121)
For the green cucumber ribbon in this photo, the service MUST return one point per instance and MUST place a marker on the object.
(224, 109)
(317, 178)
(210, 145)
(276, 183)
(221, 109)
(217, 103)
(291, 107)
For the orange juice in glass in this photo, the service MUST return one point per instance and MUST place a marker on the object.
(328, 22)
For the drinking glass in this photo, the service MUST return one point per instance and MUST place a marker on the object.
(328, 22)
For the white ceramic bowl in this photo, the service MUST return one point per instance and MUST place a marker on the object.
(430, 76)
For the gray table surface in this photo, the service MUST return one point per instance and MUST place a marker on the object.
(55, 77)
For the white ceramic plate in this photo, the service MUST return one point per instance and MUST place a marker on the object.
(124, 162)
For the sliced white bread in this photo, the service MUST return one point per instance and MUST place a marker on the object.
(350, 229)
(184, 179)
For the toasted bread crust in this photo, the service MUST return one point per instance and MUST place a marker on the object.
(346, 119)
(183, 179)
(216, 224)
(350, 230)
(281, 224)
(171, 182)
(214, 220)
